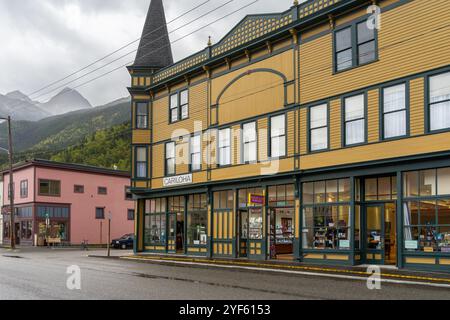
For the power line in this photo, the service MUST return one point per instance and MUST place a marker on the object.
(133, 51)
(117, 50)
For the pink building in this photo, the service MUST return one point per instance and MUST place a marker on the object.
(68, 202)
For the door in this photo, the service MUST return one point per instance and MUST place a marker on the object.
(381, 234)
(243, 233)
(180, 233)
(17, 234)
(171, 234)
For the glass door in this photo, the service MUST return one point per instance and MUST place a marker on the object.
(375, 234)
(171, 234)
(243, 233)
(381, 235)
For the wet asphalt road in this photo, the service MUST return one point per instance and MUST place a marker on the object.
(41, 274)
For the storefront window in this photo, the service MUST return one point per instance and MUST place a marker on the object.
(244, 196)
(427, 216)
(26, 227)
(382, 188)
(197, 219)
(326, 227)
(357, 227)
(281, 196)
(255, 224)
(155, 222)
(330, 191)
(224, 200)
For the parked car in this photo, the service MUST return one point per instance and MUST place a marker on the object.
(125, 242)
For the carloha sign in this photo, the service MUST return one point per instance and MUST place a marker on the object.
(178, 180)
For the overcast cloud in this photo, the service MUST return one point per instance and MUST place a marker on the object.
(45, 40)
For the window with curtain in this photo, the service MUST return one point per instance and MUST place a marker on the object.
(249, 142)
(366, 43)
(141, 162)
(318, 126)
(170, 158)
(344, 51)
(184, 104)
(174, 108)
(225, 147)
(354, 46)
(394, 111)
(355, 120)
(439, 101)
(196, 158)
(278, 136)
(141, 115)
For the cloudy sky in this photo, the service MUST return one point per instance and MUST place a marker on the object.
(46, 40)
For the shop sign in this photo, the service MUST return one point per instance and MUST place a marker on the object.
(178, 180)
(411, 244)
(255, 199)
(344, 244)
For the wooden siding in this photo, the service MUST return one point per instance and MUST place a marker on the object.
(255, 93)
(158, 154)
(197, 115)
(410, 41)
(377, 151)
(373, 116)
(417, 107)
(335, 124)
(141, 136)
(303, 131)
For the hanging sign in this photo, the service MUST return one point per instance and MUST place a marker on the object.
(178, 180)
(255, 199)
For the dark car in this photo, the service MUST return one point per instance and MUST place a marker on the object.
(125, 242)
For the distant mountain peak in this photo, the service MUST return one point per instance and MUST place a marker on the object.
(67, 100)
(18, 95)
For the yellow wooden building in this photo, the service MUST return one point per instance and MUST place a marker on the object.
(319, 134)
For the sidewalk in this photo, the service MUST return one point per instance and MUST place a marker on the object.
(289, 267)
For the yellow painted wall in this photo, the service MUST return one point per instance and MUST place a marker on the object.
(377, 151)
(255, 93)
(197, 115)
(409, 42)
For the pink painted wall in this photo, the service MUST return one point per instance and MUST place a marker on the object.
(83, 224)
(24, 174)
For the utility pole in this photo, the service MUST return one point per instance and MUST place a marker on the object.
(11, 186)
(12, 228)
(109, 234)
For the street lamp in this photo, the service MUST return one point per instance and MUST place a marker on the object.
(11, 183)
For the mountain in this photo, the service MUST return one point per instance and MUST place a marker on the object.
(20, 107)
(67, 100)
(49, 136)
(109, 148)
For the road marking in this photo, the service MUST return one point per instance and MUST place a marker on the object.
(257, 267)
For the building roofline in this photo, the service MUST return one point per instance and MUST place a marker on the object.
(66, 166)
(298, 22)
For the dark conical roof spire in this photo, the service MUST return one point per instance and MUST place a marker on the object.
(154, 49)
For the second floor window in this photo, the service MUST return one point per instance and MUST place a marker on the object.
(102, 190)
(99, 213)
(249, 142)
(225, 147)
(355, 120)
(318, 126)
(141, 162)
(354, 46)
(49, 188)
(196, 153)
(278, 136)
(170, 158)
(24, 188)
(141, 115)
(439, 101)
(179, 106)
(394, 111)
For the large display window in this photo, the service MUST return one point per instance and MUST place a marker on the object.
(197, 219)
(326, 215)
(426, 210)
(155, 222)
